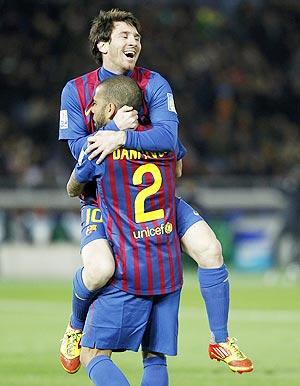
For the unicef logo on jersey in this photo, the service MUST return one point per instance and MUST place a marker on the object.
(163, 229)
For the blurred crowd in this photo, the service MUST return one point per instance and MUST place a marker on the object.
(234, 68)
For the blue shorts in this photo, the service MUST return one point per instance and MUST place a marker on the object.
(92, 227)
(186, 216)
(121, 321)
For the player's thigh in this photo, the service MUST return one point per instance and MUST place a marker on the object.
(116, 320)
(162, 329)
(92, 227)
(186, 216)
(200, 242)
(98, 260)
(96, 252)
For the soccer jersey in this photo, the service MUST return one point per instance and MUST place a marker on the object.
(138, 206)
(158, 109)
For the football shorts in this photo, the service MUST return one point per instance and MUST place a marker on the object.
(121, 321)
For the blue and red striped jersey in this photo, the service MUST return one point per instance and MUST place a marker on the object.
(158, 110)
(137, 192)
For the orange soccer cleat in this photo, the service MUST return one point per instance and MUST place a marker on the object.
(70, 350)
(230, 353)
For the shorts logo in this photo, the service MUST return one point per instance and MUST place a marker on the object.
(63, 119)
(171, 103)
(163, 229)
(90, 229)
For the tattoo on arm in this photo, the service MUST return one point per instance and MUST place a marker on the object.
(74, 188)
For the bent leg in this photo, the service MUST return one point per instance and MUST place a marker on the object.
(98, 269)
(199, 241)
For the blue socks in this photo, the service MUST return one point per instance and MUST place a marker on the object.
(155, 372)
(102, 371)
(214, 287)
(82, 299)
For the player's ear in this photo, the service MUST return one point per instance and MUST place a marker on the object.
(111, 110)
(103, 47)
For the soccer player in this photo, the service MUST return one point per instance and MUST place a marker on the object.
(140, 306)
(115, 42)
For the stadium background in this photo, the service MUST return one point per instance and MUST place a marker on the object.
(234, 66)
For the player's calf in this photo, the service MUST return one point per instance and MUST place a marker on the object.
(155, 369)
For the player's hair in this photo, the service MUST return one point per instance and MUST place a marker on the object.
(102, 27)
(122, 90)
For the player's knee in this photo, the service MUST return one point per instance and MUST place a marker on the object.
(96, 277)
(212, 257)
(99, 264)
(151, 354)
(207, 253)
(201, 244)
(87, 354)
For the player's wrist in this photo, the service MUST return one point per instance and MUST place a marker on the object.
(122, 138)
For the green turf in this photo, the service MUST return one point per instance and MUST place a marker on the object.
(265, 318)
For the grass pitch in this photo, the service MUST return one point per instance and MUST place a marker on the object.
(265, 318)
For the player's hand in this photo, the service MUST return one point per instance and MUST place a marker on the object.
(126, 118)
(103, 143)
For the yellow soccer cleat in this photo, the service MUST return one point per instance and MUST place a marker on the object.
(230, 353)
(70, 350)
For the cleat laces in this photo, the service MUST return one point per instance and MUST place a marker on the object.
(235, 349)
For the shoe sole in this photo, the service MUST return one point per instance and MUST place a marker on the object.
(235, 369)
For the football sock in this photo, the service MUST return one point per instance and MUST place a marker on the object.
(214, 287)
(103, 372)
(81, 301)
(155, 372)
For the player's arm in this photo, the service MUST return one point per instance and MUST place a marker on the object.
(164, 131)
(161, 137)
(179, 168)
(84, 172)
(71, 123)
(74, 188)
(72, 126)
(180, 153)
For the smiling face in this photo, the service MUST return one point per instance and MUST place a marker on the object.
(121, 53)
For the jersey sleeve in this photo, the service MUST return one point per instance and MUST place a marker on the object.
(87, 170)
(71, 121)
(164, 132)
(180, 150)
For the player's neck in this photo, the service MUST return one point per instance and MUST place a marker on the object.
(107, 73)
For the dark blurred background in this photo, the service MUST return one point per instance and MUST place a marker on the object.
(234, 66)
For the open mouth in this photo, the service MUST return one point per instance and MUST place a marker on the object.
(129, 54)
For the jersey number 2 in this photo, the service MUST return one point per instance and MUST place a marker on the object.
(139, 203)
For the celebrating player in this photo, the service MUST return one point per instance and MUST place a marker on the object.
(141, 304)
(115, 41)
